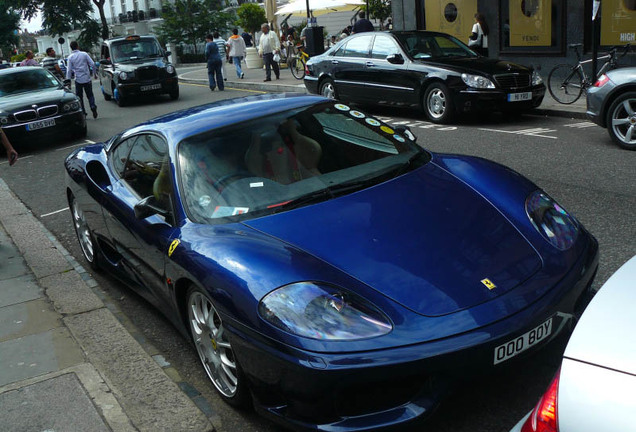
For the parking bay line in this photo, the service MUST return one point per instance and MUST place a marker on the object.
(537, 132)
(76, 145)
(54, 212)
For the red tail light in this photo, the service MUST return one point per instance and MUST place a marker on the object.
(544, 416)
(602, 80)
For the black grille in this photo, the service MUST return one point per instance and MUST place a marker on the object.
(513, 80)
(47, 111)
(147, 73)
(24, 116)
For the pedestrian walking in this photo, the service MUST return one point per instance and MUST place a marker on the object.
(236, 46)
(220, 42)
(50, 63)
(268, 45)
(82, 66)
(247, 38)
(362, 25)
(212, 57)
(12, 155)
(29, 61)
(478, 40)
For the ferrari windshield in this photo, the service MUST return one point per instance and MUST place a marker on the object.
(433, 45)
(290, 159)
(134, 49)
(26, 80)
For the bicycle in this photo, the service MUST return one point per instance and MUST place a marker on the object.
(297, 62)
(566, 83)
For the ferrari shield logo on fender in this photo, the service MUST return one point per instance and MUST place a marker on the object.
(488, 284)
(173, 246)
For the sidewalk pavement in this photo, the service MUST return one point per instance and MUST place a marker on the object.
(198, 74)
(66, 361)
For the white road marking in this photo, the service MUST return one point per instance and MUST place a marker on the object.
(76, 145)
(55, 212)
(536, 132)
(20, 158)
(580, 125)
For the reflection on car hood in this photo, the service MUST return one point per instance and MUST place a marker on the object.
(604, 336)
(425, 239)
(42, 97)
(132, 65)
(480, 65)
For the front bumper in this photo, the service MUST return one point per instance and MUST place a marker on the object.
(469, 99)
(163, 86)
(387, 388)
(64, 123)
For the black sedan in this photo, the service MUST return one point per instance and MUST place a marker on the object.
(434, 71)
(35, 104)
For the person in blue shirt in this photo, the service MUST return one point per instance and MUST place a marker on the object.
(213, 58)
(82, 66)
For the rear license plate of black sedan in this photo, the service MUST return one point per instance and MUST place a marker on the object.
(40, 124)
(150, 87)
(517, 97)
(521, 343)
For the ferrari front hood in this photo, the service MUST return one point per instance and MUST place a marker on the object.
(424, 239)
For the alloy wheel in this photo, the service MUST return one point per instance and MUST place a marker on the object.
(623, 121)
(436, 103)
(83, 232)
(328, 90)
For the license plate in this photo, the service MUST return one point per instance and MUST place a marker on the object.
(516, 97)
(150, 87)
(527, 340)
(40, 124)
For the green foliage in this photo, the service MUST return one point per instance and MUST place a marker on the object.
(90, 35)
(57, 16)
(189, 21)
(379, 9)
(251, 16)
(9, 23)
(18, 58)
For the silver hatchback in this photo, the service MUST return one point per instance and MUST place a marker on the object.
(611, 103)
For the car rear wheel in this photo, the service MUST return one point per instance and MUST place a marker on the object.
(214, 348)
(84, 234)
(438, 105)
(621, 120)
(328, 89)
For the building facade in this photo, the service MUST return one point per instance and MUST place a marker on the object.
(530, 32)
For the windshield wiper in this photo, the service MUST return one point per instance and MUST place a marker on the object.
(310, 198)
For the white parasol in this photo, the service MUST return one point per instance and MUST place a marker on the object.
(318, 7)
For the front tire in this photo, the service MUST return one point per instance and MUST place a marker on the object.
(174, 94)
(328, 89)
(214, 348)
(84, 235)
(621, 121)
(438, 104)
(565, 84)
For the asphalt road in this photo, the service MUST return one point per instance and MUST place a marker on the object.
(573, 160)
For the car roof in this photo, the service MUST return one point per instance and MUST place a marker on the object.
(179, 125)
(20, 69)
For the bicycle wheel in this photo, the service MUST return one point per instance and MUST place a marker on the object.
(565, 84)
(297, 67)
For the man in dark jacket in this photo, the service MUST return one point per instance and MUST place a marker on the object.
(213, 58)
(362, 25)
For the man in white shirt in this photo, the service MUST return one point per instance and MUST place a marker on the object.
(268, 45)
(82, 66)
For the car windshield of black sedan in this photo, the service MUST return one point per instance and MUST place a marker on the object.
(289, 159)
(424, 46)
(29, 79)
(135, 49)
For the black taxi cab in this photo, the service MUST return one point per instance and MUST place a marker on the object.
(134, 65)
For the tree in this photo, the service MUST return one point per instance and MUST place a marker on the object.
(189, 21)
(380, 10)
(89, 36)
(102, 17)
(58, 17)
(251, 17)
(9, 24)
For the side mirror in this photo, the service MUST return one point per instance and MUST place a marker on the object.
(105, 62)
(148, 207)
(395, 59)
(406, 131)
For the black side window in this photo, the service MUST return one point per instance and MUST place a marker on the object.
(383, 47)
(147, 169)
(105, 53)
(358, 47)
(119, 155)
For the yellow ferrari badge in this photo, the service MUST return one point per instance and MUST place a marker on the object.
(173, 246)
(488, 284)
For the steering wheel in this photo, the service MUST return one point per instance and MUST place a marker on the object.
(222, 182)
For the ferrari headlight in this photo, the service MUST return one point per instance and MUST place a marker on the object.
(551, 220)
(123, 76)
(321, 311)
(170, 69)
(536, 78)
(477, 81)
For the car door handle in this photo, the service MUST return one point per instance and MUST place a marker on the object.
(334, 61)
(370, 64)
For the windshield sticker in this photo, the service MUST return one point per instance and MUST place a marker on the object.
(256, 184)
(357, 114)
(372, 122)
(173, 246)
(341, 107)
(205, 200)
(399, 138)
(387, 129)
(224, 211)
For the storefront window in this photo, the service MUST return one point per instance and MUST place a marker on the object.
(532, 26)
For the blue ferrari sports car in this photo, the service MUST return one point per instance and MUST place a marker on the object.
(325, 266)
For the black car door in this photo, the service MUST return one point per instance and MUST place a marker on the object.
(142, 243)
(390, 82)
(349, 68)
